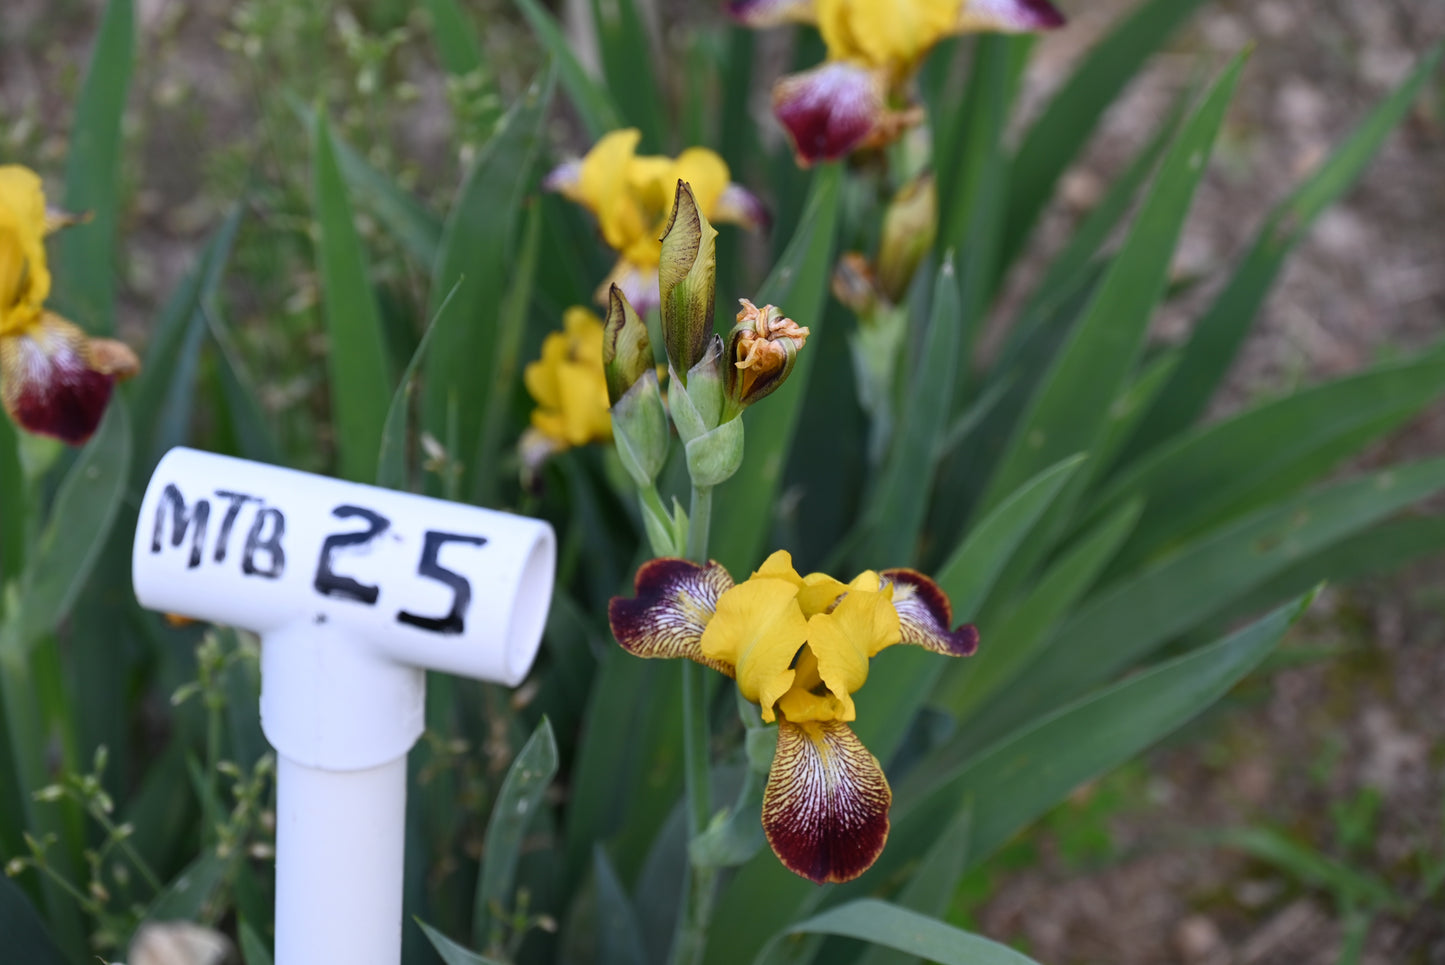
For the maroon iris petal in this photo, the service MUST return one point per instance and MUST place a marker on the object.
(829, 111)
(675, 600)
(825, 809)
(924, 615)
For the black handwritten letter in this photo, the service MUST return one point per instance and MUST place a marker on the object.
(330, 583)
(223, 538)
(430, 567)
(181, 521)
(271, 545)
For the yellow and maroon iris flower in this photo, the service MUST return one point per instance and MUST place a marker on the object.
(859, 97)
(631, 196)
(799, 648)
(54, 379)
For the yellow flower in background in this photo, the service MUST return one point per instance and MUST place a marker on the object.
(858, 98)
(570, 389)
(631, 196)
(799, 647)
(54, 379)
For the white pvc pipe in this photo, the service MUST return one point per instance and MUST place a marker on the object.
(356, 591)
(340, 839)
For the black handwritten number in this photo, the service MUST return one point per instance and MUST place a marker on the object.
(330, 583)
(454, 622)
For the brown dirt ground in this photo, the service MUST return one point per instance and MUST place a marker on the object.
(1367, 283)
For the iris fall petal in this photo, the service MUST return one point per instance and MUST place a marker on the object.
(56, 381)
(1008, 16)
(831, 110)
(825, 809)
(675, 601)
(925, 615)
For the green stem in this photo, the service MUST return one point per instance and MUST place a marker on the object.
(691, 939)
(210, 806)
(699, 522)
(653, 502)
(122, 841)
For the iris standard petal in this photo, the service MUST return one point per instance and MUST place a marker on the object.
(772, 13)
(603, 186)
(56, 381)
(24, 275)
(830, 110)
(1008, 16)
(862, 624)
(706, 173)
(675, 602)
(925, 615)
(758, 629)
(825, 809)
(885, 34)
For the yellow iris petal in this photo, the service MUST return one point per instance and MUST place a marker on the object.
(892, 35)
(603, 186)
(809, 698)
(24, 276)
(759, 629)
(706, 173)
(569, 385)
(861, 625)
(632, 195)
(820, 591)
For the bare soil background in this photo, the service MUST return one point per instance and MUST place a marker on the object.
(1303, 744)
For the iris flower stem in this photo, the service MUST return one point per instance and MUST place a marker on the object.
(699, 522)
(652, 501)
(691, 938)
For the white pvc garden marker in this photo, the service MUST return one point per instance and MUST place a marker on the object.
(356, 592)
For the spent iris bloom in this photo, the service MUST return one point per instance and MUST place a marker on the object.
(860, 96)
(762, 349)
(570, 388)
(54, 379)
(632, 197)
(799, 648)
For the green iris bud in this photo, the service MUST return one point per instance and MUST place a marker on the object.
(687, 278)
(639, 418)
(909, 228)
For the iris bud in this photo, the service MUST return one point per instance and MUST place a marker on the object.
(626, 349)
(639, 418)
(761, 352)
(697, 402)
(687, 278)
(910, 226)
